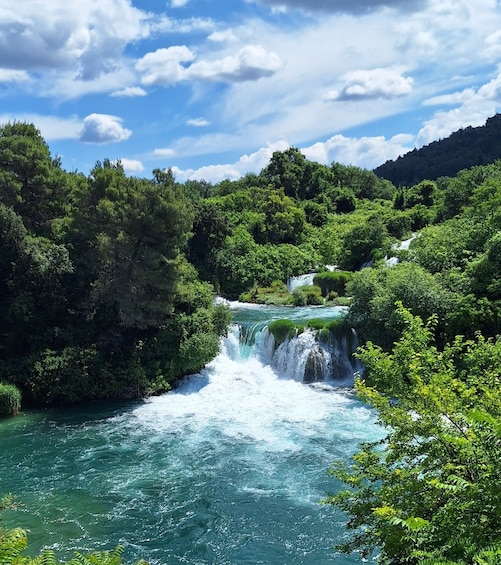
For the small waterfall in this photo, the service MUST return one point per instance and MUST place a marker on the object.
(311, 356)
(301, 280)
(291, 358)
(343, 365)
(402, 245)
(304, 358)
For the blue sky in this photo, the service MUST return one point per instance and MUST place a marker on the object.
(211, 88)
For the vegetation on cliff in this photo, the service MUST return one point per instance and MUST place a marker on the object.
(463, 149)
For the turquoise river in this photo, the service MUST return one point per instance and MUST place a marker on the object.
(229, 469)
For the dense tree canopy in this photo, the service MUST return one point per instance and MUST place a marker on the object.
(93, 277)
(463, 149)
(430, 490)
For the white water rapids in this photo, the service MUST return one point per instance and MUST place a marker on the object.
(228, 469)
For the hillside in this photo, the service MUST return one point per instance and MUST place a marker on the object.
(461, 150)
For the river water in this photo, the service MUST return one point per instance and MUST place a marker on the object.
(228, 469)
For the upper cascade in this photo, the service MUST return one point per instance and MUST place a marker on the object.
(306, 357)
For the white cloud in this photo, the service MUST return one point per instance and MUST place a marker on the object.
(164, 152)
(132, 165)
(85, 35)
(12, 75)
(365, 152)
(250, 63)
(222, 36)
(474, 107)
(254, 162)
(52, 128)
(76, 48)
(442, 124)
(375, 83)
(165, 67)
(491, 90)
(450, 99)
(129, 92)
(493, 44)
(103, 128)
(198, 122)
(66, 86)
(178, 3)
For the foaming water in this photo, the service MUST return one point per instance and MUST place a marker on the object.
(227, 469)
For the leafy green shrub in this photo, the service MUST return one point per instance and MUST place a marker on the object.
(332, 296)
(282, 330)
(429, 491)
(316, 324)
(276, 293)
(299, 297)
(332, 281)
(399, 225)
(341, 301)
(313, 295)
(62, 377)
(10, 400)
(197, 350)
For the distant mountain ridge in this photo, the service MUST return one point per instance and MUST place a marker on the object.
(461, 150)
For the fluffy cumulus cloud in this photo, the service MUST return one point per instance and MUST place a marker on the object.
(170, 65)
(132, 166)
(103, 128)
(347, 6)
(164, 66)
(85, 35)
(375, 83)
(365, 152)
(472, 107)
(76, 48)
(250, 63)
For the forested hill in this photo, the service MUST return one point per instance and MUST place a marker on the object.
(461, 150)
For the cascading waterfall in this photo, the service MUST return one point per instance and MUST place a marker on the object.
(228, 469)
(303, 358)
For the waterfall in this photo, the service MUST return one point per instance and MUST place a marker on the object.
(292, 357)
(402, 245)
(229, 467)
(301, 280)
(303, 358)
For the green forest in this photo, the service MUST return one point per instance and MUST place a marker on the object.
(108, 285)
(463, 149)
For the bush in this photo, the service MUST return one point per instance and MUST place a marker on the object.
(282, 330)
(316, 324)
(337, 327)
(10, 400)
(332, 281)
(299, 297)
(276, 293)
(313, 295)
